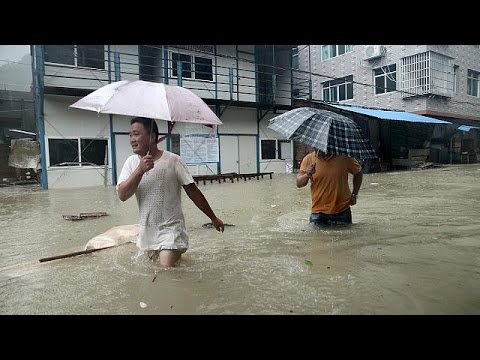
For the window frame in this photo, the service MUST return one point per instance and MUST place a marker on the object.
(385, 72)
(277, 149)
(327, 50)
(473, 83)
(76, 50)
(335, 85)
(193, 65)
(79, 151)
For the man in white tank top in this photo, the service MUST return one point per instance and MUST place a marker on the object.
(156, 177)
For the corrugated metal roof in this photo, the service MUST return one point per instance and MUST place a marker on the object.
(392, 114)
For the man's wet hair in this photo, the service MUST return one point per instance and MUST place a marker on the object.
(147, 124)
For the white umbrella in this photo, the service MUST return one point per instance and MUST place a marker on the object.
(149, 99)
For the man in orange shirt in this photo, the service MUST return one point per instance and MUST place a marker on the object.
(331, 195)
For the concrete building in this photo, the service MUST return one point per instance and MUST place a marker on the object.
(439, 81)
(245, 85)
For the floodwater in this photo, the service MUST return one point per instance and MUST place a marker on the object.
(414, 248)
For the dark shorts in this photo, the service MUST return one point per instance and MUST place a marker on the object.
(322, 220)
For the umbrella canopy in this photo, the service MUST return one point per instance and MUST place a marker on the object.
(149, 99)
(325, 130)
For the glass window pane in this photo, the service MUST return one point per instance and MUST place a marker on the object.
(186, 61)
(333, 50)
(62, 150)
(341, 92)
(91, 56)
(93, 151)
(203, 68)
(268, 149)
(284, 150)
(379, 85)
(333, 94)
(186, 65)
(60, 54)
(391, 84)
(350, 90)
(325, 52)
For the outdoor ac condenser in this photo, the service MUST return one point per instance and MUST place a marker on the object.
(374, 51)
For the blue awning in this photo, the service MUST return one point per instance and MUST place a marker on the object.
(391, 114)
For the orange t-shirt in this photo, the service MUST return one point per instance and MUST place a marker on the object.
(329, 184)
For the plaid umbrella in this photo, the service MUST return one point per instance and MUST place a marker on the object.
(325, 130)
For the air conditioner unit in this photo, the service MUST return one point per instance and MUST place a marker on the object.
(374, 51)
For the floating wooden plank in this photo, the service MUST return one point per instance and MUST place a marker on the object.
(72, 217)
(76, 253)
(93, 214)
(84, 215)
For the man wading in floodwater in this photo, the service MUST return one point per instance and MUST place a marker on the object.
(156, 177)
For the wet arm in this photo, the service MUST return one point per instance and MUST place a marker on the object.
(357, 182)
(302, 178)
(127, 188)
(199, 200)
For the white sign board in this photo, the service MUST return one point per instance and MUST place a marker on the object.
(199, 149)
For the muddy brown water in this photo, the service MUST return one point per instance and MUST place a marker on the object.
(414, 248)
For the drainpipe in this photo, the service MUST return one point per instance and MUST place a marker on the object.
(37, 72)
(112, 134)
(166, 67)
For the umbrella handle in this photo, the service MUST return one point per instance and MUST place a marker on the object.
(151, 130)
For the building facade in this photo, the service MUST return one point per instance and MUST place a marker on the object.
(439, 81)
(245, 85)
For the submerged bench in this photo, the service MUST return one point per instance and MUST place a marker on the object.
(230, 176)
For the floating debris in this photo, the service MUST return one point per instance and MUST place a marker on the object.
(84, 215)
(210, 225)
(143, 305)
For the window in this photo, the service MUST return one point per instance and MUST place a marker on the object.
(193, 67)
(473, 83)
(203, 68)
(268, 149)
(331, 51)
(338, 89)
(276, 149)
(385, 79)
(186, 61)
(91, 56)
(426, 73)
(77, 152)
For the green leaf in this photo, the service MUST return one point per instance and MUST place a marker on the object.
(308, 262)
